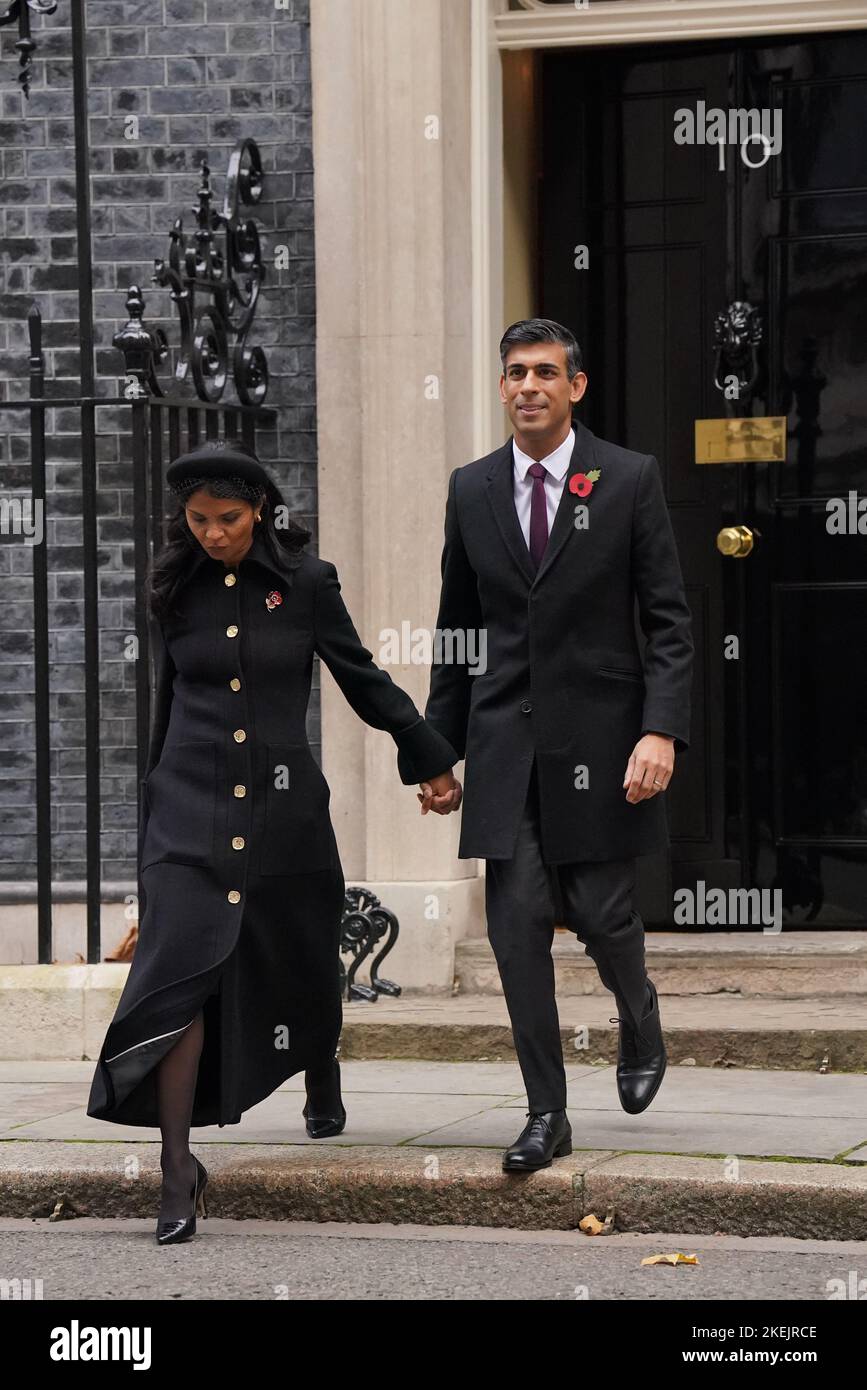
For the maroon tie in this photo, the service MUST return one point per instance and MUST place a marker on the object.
(538, 514)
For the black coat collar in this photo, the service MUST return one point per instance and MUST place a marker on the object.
(258, 553)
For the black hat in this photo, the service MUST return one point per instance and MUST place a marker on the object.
(225, 459)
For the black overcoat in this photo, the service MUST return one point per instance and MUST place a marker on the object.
(243, 886)
(565, 679)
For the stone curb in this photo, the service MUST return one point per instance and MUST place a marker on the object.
(363, 1183)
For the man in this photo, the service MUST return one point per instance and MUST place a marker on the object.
(569, 733)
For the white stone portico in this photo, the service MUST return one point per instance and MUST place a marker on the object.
(421, 117)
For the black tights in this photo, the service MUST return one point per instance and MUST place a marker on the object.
(176, 1089)
(177, 1074)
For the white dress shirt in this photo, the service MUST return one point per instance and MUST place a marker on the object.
(557, 465)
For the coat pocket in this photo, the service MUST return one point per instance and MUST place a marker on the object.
(297, 836)
(180, 803)
(621, 673)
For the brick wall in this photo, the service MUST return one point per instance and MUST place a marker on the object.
(198, 75)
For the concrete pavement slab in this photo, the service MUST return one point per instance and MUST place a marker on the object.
(659, 1132)
(737, 1092)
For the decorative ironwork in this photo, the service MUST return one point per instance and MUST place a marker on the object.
(26, 45)
(737, 333)
(142, 347)
(230, 278)
(365, 923)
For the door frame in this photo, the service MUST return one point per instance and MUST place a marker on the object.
(497, 30)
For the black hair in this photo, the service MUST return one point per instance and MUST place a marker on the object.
(284, 544)
(543, 331)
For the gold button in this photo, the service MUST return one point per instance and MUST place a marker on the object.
(240, 789)
(235, 683)
(234, 896)
(232, 630)
(239, 735)
(238, 842)
(230, 580)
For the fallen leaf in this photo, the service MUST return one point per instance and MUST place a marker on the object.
(676, 1259)
(63, 1210)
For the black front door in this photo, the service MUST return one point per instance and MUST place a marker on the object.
(644, 241)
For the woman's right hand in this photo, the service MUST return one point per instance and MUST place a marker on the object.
(441, 794)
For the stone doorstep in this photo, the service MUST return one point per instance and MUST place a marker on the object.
(720, 1030)
(784, 1050)
(790, 965)
(464, 1187)
(61, 1013)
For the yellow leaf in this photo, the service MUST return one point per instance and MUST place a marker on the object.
(676, 1259)
(591, 1225)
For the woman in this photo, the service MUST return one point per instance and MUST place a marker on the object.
(234, 985)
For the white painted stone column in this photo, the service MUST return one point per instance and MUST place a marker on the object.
(392, 158)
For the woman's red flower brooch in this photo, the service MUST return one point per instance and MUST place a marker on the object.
(273, 599)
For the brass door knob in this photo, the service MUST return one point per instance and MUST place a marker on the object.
(735, 541)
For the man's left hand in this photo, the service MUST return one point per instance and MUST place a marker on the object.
(650, 767)
(441, 794)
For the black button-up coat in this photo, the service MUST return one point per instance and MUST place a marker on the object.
(564, 680)
(243, 887)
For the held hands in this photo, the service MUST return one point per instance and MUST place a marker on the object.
(441, 794)
(651, 760)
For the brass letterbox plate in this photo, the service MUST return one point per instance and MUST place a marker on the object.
(757, 439)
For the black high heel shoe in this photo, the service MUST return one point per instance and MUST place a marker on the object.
(184, 1228)
(324, 1112)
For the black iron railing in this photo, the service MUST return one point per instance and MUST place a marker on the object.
(217, 383)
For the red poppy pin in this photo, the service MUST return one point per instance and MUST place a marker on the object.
(582, 483)
(273, 599)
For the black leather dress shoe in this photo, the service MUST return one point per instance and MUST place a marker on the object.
(641, 1060)
(324, 1112)
(545, 1136)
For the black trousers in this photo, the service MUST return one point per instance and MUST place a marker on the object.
(524, 898)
